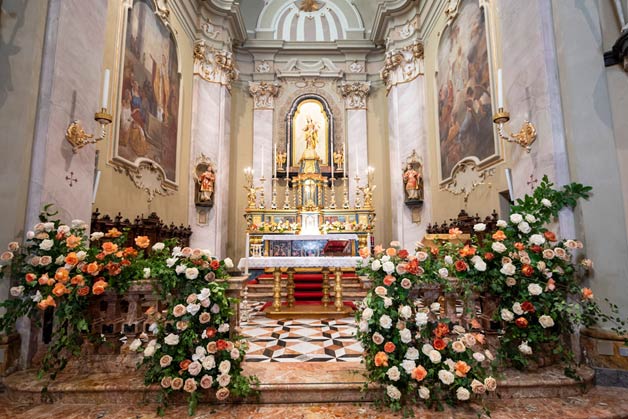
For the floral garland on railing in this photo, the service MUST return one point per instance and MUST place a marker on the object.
(56, 269)
(338, 226)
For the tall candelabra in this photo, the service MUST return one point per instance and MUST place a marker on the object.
(345, 193)
(273, 203)
(332, 198)
(286, 198)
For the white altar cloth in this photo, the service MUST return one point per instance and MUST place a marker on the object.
(300, 262)
(301, 237)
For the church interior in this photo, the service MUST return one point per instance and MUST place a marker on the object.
(314, 208)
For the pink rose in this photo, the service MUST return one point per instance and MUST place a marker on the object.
(406, 283)
(178, 310)
(190, 385)
(166, 381)
(191, 299)
(165, 361)
(207, 381)
(211, 347)
(177, 383)
(45, 260)
(222, 393)
(186, 252)
(195, 368)
(204, 317)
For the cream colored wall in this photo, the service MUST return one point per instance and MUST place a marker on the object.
(117, 193)
(378, 151)
(241, 157)
(485, 198)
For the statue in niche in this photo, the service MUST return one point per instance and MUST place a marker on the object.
(412, 179)
(205, 182)
(309, 159)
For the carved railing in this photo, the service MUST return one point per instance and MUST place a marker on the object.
(150, 226)
(464, 222)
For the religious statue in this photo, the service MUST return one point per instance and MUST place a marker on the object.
(339, 159)
(309, 159)
(367, 193)
(205, 180)
(251, 195)
(281, 160)
(412, 181)
(310, 6)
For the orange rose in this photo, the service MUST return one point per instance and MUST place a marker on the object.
(215, 264)
(114, 232)
(59, 289)
(30, 277)
(587, 293)
(479, 337)
(82, 291)
(521, 322)
(441, 330)
(527, 270)
(467, 251)
(412, 266)
(210, 332)
(93, 268)
(72, 241)
(113, 268)
(71, 259)
(44, 279)
(454, 232)
(461, 266)
(221, 344)
(119, 254)
(462, 368)
(130, 252)
(185, 364)
(519, 246)
(389, 347)
(434, 250)
(499, 235)
(381, 359)
(99, 287)
(142, 242)
(550, 236)
(403, 253)
(439, 344)
(364, 252)
(388, 280)
(62, 275)
(77, 280)
(109, 248)
(489, 256)
(391, 251)
(419, 373)
(48, 302)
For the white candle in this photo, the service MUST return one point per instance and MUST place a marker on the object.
(262, 168)
(105, 89)
(275, 162)
(344, 161)
(500, 89)
(509, 182)
(288, 161)
(246, 261)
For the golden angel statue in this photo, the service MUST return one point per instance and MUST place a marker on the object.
(367, 193)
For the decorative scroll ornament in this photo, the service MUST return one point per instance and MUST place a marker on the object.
(451, 11)
(466, 177)
(355, 94)
(356, 67)
(302, 68)
(150, 178)
(402, 66)
(264, 94)
(213, 65)
(209, 29)
(263, 67)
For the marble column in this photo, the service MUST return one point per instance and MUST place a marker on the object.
(264, 94)
(405, 81)
(211, 110)
(355, 95)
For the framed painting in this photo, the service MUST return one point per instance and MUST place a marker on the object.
(463, 85)
(149, 93)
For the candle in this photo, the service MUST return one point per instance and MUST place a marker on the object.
(509, 182)
(105, 89)
(344, 161)
(246, 264)
(288, 161)
(262, 168)
(500, 89)
(275, 162)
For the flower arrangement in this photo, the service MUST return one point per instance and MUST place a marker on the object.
(408, 350)
(337, 226)
(273, 227)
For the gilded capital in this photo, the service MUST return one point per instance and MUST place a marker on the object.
(355, 94)
(402, 66)
(264, 94)
(213, 65)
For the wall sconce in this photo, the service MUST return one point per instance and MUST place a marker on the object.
(76, 135)
(527, 133)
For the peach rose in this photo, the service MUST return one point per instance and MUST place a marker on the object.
(77, 280)
(82, 291)
(364, 252)
(109, 248)
(166, 382)
(391, 251)
(59, 289)
(99, 287)
(587, 294)
(44, 279)
(165, 361)
(467, 251)
(45, 260)
(177, 383)
(71, 259)
(48, 302)
(419, 373)
(211, 347)
(14, 246)
(62, 275)
(114, 232)
(178, 310)
(142, 242)
(204, 317)
(381, 359)
(72, 241)
(207, 381)
(499, 235)
(389, 280)
(519, 246)
(182, 325)
(93, 268)
(186, 252)
(462, 368)
(30, 277)
(379, 249)
(222, 393)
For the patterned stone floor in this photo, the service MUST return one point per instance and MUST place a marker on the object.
(300, 340)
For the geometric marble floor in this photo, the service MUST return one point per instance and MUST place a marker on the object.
(300, 340)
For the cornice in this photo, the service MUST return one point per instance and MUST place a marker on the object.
(229, 9)
(386, 11)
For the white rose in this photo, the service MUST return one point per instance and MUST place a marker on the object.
(435, 356)
(180, 269)
(393, 392)
(479, 356)
(381, 291)
(223, 328)
(363, 326)
(97, 235)
(49, 226)
(172, 339)
(546, 202)
(435, 307)
(446, 377)
(507, 315)
(388, 302)
(412, 354)
(516, 307)
(546, 321)
(443, 272)
(224, 380)
(135, 345)
(501, 223)
(367, 314)
(191, 273)
(421, 318)
(421, 256)
(209, 362)
(524, 227)
(193, 308)
(426, 349)
(406, 335)
(516, 218)
(479, 227)
(537, 239)
(524, 348)
(150, 350)
(408, 365)
(224, 366)
(535, 289)
(405, 312)
(498, 247)
(37, 297)
(204, 295)
(393, 373)
(462, 393)
(146, 273)
(458, 346)
(388, 267)
(17, 291)
(508, 269)
(376, 265)
(63, 229)
(228, 263)
(385, 321)
(30, 235)
(81, 255)
(480, 266)
(449, 260)
(424, 392)
(530, 218)
(385, 258)
(46, 244)
(60, 260)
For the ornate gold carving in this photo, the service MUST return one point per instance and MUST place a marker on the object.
(78, 138)
(526, 135)
(310, 6)
(213, 65)
(263, 94)
(355, 94)
(402, 66)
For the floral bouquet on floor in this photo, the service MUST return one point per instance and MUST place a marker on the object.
(409, 356)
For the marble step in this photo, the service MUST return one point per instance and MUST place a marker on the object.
(291, 382)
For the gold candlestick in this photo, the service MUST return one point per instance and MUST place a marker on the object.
(526, 135)
(345, 194)
(262, 198)
(358, 201)
(332, 199)
(286, 198)
(273, 203)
